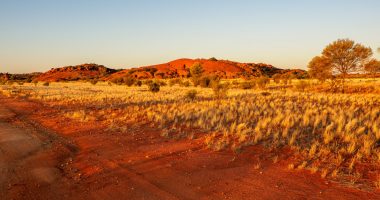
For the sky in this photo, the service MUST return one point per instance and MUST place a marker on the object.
(41, 34)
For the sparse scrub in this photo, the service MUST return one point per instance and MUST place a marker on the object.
(247, 85)
(191, 95)
(94, 81)
(185, 83)
(138, 83)
(220, 90)
(196, 72)
(332, 134)
(262, 82)
(154, 87)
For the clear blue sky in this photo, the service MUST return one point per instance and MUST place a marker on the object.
(36, 35)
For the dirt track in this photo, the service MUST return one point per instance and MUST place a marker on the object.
(43, 156)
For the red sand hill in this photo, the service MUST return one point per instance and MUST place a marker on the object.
(175, 69)
(72, 73)
(223, 68)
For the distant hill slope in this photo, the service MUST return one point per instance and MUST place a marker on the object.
(223, 68)
(28, 77)
(175, 69)
(73, 73)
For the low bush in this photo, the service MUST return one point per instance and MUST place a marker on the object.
(185, 83)
(247, 85)
(174, 81)
(154, 87)
(138, 83)
(93, 81)
(129, 81)
(191, 94)
(262, 82)
(302, 85)
(220, 90)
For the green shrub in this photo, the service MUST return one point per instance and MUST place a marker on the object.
(46, 84)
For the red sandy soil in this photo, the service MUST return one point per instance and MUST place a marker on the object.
(68, 160)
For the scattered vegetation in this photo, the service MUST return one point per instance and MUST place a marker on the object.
(191, 95)
(333, 134)
(154, 87)
(339, 59)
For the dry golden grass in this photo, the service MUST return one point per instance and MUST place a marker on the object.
(329, 133)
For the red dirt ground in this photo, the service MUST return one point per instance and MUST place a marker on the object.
(83, 161)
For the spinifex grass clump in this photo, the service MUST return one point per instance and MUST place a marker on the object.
(332, 134)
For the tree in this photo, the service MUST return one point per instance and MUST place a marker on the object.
(341, 57)
(320, 68)
(372, 67)
(196, 72)
(213, 59)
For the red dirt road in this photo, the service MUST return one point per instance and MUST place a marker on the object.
(44, 156)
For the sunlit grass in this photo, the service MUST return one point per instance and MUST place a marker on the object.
(329, 133)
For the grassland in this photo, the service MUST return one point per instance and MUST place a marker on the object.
(335, 135)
